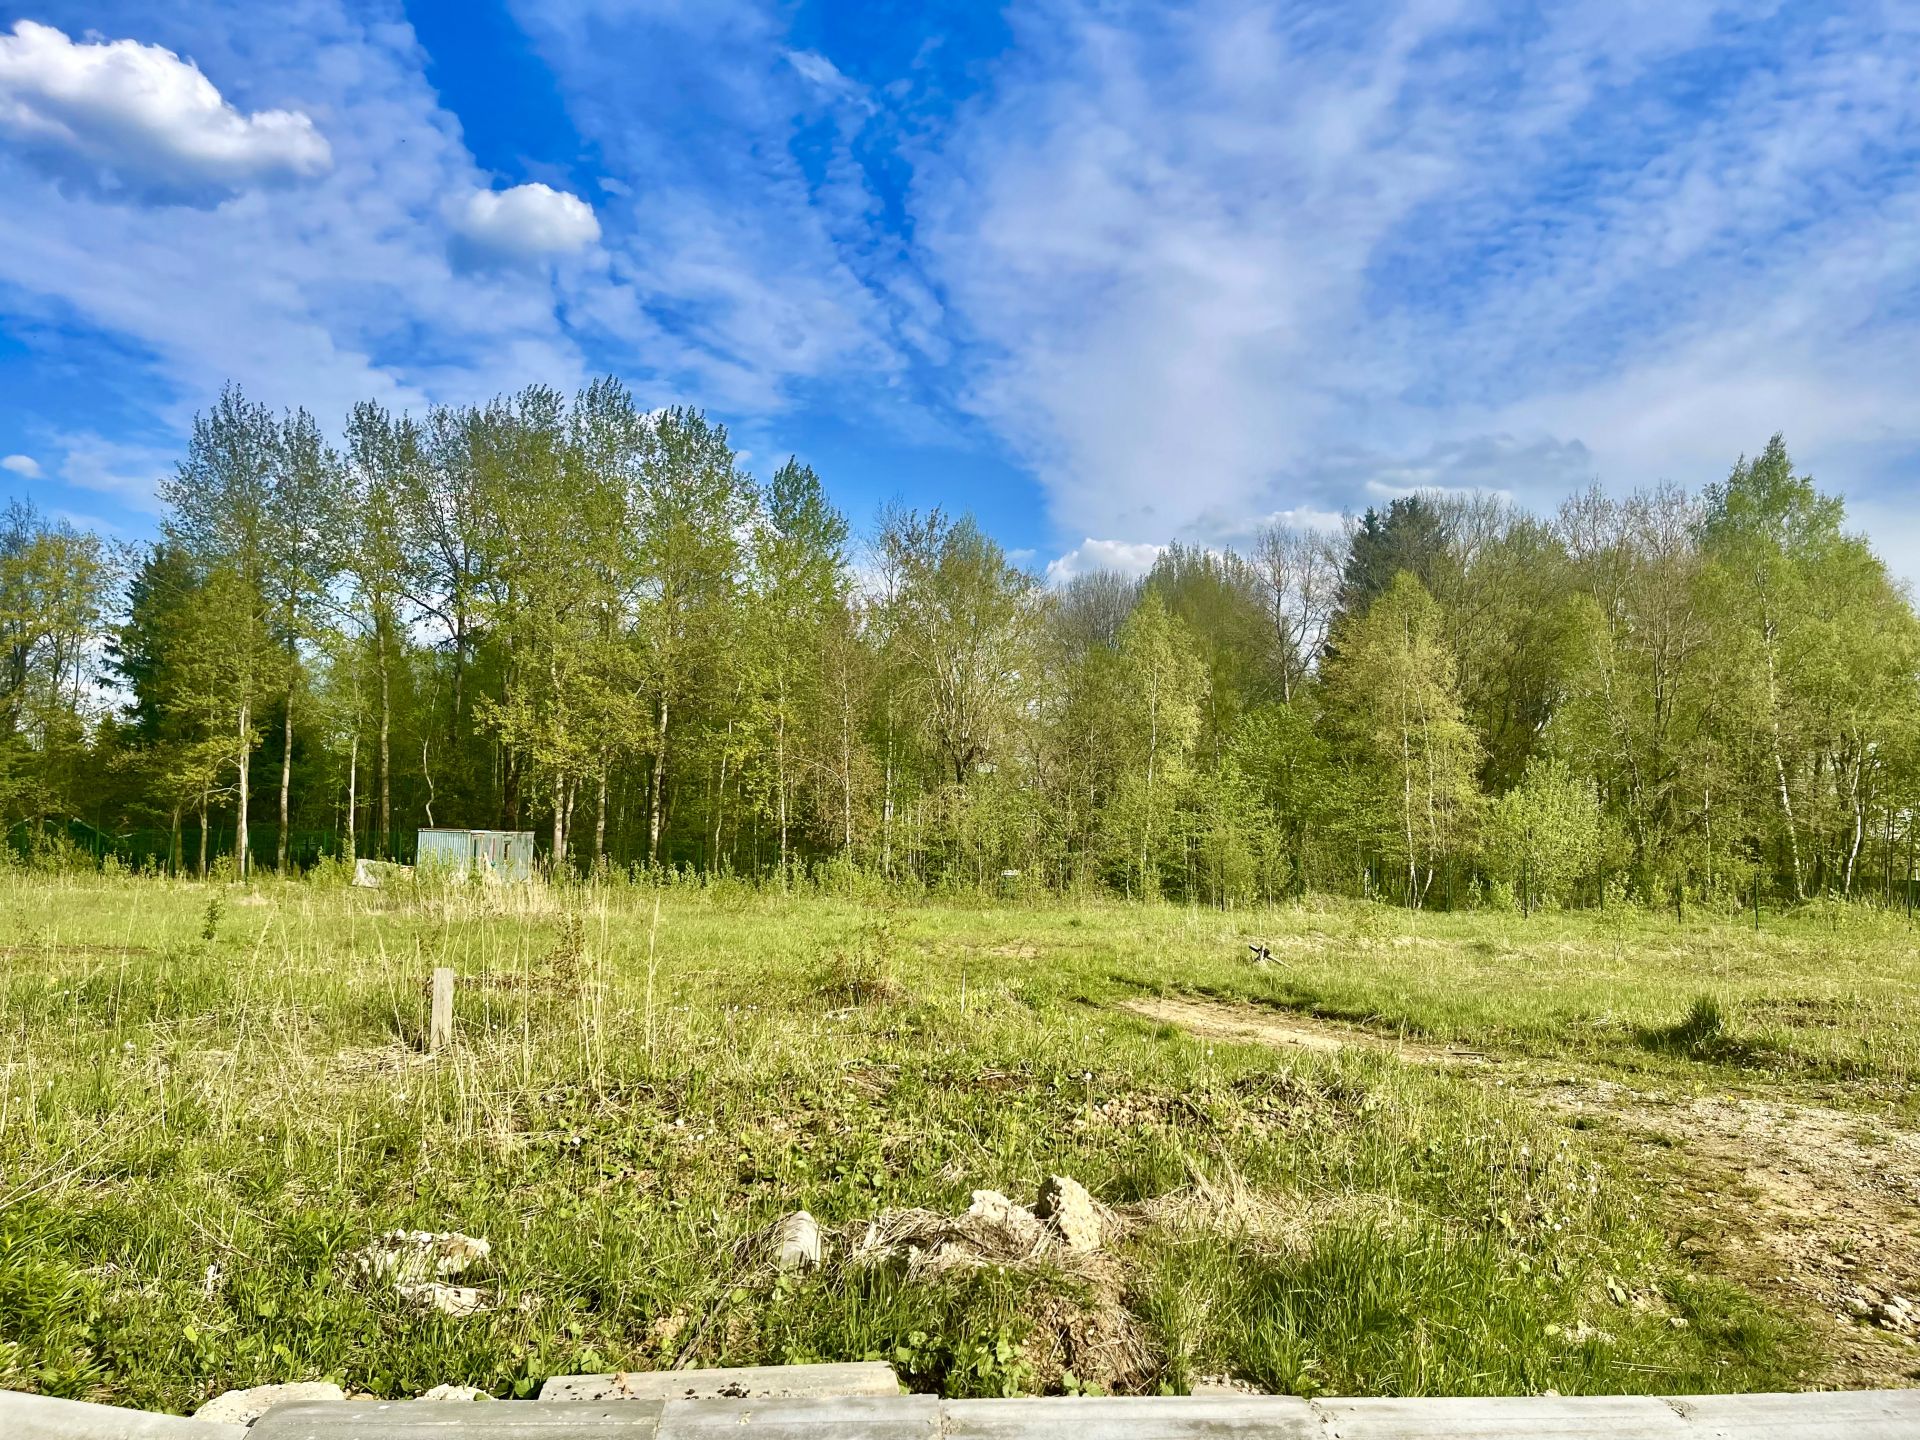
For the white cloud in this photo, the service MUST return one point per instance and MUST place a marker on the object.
(127, 471)
(23, 465)
(120, 115)
(1091, 555)
(768, 254)
(1228, 260)
(343, 293)
(828, 79)
(526, 223)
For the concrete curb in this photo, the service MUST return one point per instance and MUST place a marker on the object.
(1833, 1415)
(40, 1417)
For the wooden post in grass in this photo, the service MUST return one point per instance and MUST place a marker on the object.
(440, 1025)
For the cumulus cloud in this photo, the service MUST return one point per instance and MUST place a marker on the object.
(527, 223)
(1091, 555)
(22, 465)
(340, 294)
(120, 116)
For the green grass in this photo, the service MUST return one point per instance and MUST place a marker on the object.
(194, 1133)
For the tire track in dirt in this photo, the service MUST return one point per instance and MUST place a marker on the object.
(1219, 1020)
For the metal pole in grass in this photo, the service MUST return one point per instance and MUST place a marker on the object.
(1756, 902)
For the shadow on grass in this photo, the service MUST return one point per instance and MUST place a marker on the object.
(1706, 1033)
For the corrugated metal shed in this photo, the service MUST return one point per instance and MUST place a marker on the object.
(504, 855)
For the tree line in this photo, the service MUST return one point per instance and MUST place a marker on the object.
(573, 615)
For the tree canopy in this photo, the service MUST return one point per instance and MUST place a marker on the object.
(570, 614)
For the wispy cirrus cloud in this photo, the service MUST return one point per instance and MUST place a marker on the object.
(1232, 257)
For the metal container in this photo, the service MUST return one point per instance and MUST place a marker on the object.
(497, 855)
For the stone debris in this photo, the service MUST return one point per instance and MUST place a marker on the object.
(419, 1263)
(1067, 1226)
(444, 1299)
(413, 1256)
(377, 874)
(243, 1407)
(1898, 1314)
(1225, 1385)
(795, 1242)
(1018, 1224)
(1074, 1213)
(456, 1392)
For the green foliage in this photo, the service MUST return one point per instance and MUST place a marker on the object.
(563, 613)
(1543, 837)
(1392, 683)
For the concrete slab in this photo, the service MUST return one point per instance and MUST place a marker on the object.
(41, 1417)
(1810, 1415)
(740, 1382)
(1268, 1417)
(1522, 1417)
(853, 1417)
(437, 1420)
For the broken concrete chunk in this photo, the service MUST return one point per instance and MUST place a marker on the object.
(795, 1242)
(445, 1299)
(1065, 1202)
(410, 1256)
(243, 1407)
(1023, 1231)
(456, 1392)
(377, 874)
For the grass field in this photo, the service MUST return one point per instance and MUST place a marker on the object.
(1410, 1154)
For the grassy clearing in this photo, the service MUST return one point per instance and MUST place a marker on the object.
(212, 1096)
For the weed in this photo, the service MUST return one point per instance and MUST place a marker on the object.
(1705, 1024)
(861, 970)
(566, 960)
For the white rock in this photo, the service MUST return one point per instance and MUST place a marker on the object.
(1065, 1201)
(446, 1299)
(795, 1242)
(1017, 1223)
(407, 1256)
(243, 1407)
(456, 1392)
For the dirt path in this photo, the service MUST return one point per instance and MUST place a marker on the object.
(1217, 1020)
(1814, 1208)
(1811, 1208)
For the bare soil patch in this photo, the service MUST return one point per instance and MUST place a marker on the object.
(1217, 1020)
(1812, 1208)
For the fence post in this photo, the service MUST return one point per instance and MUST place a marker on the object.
(440, 1025)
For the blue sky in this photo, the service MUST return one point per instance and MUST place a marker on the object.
(1106, 275)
